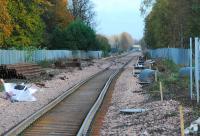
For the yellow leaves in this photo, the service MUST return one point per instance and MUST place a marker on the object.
(6, 27)
(61, 15)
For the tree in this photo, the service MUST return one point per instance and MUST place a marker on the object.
(27, 25)
(77, 35)
(145, 5)
(121, 42)
(83, 10)
(170, 23)
(6, 27)
(103, 44)
(126, 41)
(57, 14)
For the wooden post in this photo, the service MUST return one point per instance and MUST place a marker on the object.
(161, 91)
(181, 120)
(150, 66)
(156, 75)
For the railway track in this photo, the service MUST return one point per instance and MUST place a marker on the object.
(72, 113)
(66, 118)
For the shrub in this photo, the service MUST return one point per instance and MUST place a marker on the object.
(77, 36)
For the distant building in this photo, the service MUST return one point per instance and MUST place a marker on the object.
(137, 47)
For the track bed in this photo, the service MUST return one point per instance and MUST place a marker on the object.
(66, 118)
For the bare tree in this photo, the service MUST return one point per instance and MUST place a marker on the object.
(83, 10)
(116, 42)
(126, 41)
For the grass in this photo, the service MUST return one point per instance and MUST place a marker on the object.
(45, 63)
(1, 88)
(174, 88)
(173, 85)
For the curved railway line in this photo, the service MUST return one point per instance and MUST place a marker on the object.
(71, 113)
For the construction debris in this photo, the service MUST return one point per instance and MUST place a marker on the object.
(131, 111)
(161, 119)
(139, 66)
(73, 63)
(41, 85)
(20, 71)
(147, 76)
(63, 77)
(18, 92)
(193, 128)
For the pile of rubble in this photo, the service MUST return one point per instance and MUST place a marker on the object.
(18, 92)
(131, 112)
(143, 71)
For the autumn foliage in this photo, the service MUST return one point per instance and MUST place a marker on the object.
(57, 14)
(26, 23)
(121, 42)
(170, 23)
(5, 22)
(47, 24)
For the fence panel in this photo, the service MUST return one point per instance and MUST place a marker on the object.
(177, 55)
(18, 56)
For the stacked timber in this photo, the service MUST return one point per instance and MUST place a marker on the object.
(20, 71)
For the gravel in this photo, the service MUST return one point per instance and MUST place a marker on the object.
(161, 119)
(13, 113)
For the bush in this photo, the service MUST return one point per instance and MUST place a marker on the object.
(45, 63)
(77, 36)
(1, 88)
(103, 44)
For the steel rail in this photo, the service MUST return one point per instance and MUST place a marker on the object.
(84, 130)
(27, 122)
(89, 118)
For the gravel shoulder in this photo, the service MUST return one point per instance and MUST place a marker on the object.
(161, 119)
(13, 113)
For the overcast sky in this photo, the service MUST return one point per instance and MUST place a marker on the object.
(117, 16)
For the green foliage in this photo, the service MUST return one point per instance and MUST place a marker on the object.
(5, 23)
(43, 23)
(103, 44)
(170, 66)
(171, 23)
(76, 36)
(29, 53)
(1, 88)
(59, 39)
(173, 85)
(45, 63)
(28, 26)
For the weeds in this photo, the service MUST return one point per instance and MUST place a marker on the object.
(1, 88)
(174, 88)
(45, 63)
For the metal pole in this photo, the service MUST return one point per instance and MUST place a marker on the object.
(197, 67)
(191, 69)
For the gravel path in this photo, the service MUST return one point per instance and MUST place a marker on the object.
(13, 113)
(161, 119)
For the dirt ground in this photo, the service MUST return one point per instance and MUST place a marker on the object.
(161, 119)
(13, 113)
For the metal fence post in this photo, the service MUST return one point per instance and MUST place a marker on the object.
(191, 71)
(197, 67)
